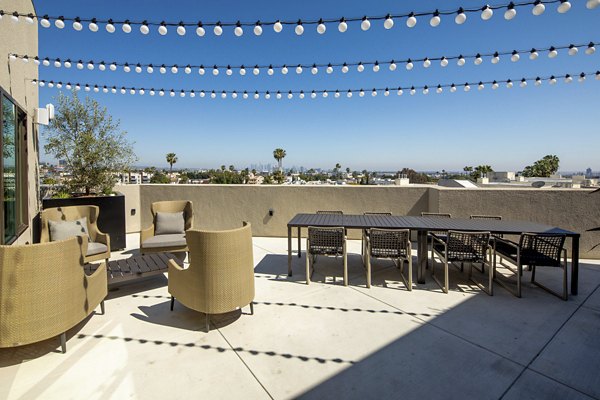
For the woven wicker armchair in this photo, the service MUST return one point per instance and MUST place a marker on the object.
(220, 277)
(534, 250)
(153, 242)
(463, 247)
(393, 244)
(325, 242)
(44, 291)
(99, 243)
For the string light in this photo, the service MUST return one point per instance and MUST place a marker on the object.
(523, 82)
(486, 12)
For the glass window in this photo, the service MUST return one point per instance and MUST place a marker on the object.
(13, 170)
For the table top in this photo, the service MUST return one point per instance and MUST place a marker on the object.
(424, 223)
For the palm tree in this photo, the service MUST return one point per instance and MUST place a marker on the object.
(223, 168)
(279, 154)
(231, 168)
(171, 159)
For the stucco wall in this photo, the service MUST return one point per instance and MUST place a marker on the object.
(22, 38)
(225, 206)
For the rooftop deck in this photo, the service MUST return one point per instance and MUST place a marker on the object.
(324, 340)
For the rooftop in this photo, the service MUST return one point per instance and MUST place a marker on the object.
(324, 340)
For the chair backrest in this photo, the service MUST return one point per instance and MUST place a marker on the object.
(221, 269)
(335, 212)
(172, 206)
(390, 243)
(376, 213)
(495, 217)
(467, 246)
(326, 240)
(541, 249)
(436, 215)
(70, 213)
(44, 290)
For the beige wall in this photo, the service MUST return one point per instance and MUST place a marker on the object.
(22, 38)
(225, 206)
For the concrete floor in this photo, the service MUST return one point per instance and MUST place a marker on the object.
(325, 340)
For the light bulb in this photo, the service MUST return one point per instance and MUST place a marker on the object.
(581, 78)
(36, 60)
(349, 94)
(144, 28)
(132, 91)
(374, 93)
(496, 58)
(568, 78)
(552, 53)
(113, 90)
(77, 24)
(256, 70)
(174, 69)
(564, 6)
(393, 66)
(313, 95)
(45, 63)
(123, 91)
(126, 68)
(365, 24)
(290, 95)
(113, 67)
(509, 84)
(533, 54)
(161, 92)
(538, 8)
(461, 17)
(215, 71)
(299, 69)
(162, 29)
(15, 17)
(388, 23)
(467, 87)
(425, 90)
(87, 88)
(591, 4)
(299, 30)
(149, 69)
(413, 91)
(188, 70)
(42, 83)
(104, 89)
(51, 85)
(93, 26)
(234, 94)
(486, 13)
(461, 61)
(29, 19)
(162, 69)
(573, 50)
(481, 86)
(79, 65)
(515, 56)
(329, 69)
(523, 83)
(126, 27)
(510, 13)
(201, 70)
(218, 29)
(435, 20)
(343, 26)
(202, 94)
(598, 75)
(278, 27)
(181, 29)
(228, 71)
(59, 23)
(444, 62)
(409, 65)
(439, 89)
(321, 28)
(245, 95)
(478, 60)
(344, 68)
(90, 66)
(57, 63)
(314, 70)
(224, 95)
(258, 29)
(426, 63)
(591, 49)
(495, 85)
(141, 92)
(552, 80)
(538, 81)
(301, 95)
(376, 67)
(284, 70)
(360, 67)
(45, 22)
(172, 93)
(110, 27)
(325, 94)
(213, 95)
(386, 92)
(138, 69)
(242, 70)
(200, 31)
(67, 64)
(361, 93)
(270, 70)
(399, 92)
(411, 21)
(238, 31)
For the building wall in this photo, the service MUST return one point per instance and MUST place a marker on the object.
(225, 206)
(22, 38)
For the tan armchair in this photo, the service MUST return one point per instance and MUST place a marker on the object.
(98, 243)
(44, 291)
(152, 240)
(220, 277)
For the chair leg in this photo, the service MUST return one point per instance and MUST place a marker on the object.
(63, 342)
(172, 302)
(345, 266)
(368, 256)
(207, 323)
(309, 261)
(102, 307)
(446, 278)
(251, 308)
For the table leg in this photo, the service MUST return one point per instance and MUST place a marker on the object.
(421, 256)
(299, 242)
(574, 264)
(289, 251)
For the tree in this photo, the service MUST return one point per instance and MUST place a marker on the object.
(223, 168)
(171, 159)
(279, 177)
(347, 170)
(413, 176)
(481, 171)
(159, 177)
(86, 137)
(468, 169)
(231, 168)
(543, 168)
(279, 154)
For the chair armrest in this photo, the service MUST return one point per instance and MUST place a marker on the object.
(172, 265)
(146, 234)
(438, 239)
(97, 285)
(505, 241)
(103, 238)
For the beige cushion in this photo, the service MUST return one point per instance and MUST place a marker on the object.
(169, 223)
(96, 248)
(61, 230)
(172, 240)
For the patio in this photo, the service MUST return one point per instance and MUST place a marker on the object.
(324, 340)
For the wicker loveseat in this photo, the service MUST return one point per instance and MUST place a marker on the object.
(44, 291)
(220, 277)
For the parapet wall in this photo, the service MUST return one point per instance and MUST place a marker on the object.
(225, 206)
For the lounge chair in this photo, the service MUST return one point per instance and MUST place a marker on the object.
(170, 221)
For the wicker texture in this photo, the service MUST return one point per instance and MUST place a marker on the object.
(44, 290)
(72, 213)
(465, 246)
(389, 243)
(542, 250)
(326, 241)
(167, 207)
(220, 277)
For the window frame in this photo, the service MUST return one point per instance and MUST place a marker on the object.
(21, 167)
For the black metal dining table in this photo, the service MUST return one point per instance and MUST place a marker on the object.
(422, 225)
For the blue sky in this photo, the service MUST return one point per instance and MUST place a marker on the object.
(504, 128)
